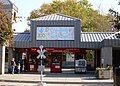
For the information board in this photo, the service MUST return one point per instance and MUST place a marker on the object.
(55, 33)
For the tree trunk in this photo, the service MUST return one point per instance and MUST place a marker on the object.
(2, 59)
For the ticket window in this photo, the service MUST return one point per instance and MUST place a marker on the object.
(56, 61)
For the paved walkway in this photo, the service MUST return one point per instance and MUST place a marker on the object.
(33, 78)
(67, 77)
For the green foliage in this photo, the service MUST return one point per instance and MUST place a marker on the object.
(6, 33)
(89, 55)
(91, 19)
(116, 19)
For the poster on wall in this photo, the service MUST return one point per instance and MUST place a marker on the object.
(55, 33)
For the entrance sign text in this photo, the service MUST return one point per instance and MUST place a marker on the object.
(55, 33)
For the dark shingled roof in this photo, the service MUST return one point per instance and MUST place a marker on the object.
(96, 36)
(85, 36)
(21, 40)
(7, 4)
(56, 17)
(88, 39)
(22, 37)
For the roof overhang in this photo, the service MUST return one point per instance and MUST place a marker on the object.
(89, 40)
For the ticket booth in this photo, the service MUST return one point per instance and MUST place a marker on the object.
(56, 62)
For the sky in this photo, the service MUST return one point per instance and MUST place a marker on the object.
(26, 6)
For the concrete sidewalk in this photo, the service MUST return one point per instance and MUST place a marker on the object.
(66, 77)
(53, 78)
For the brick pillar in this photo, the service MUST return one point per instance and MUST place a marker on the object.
(2, 59)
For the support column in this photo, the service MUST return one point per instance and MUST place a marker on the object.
(106, 56)
(2, 59)
(10, 56)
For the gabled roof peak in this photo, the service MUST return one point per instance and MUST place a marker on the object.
(7, 4)
(56, 16)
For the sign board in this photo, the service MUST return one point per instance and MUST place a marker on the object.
(41, 54)
(55, 33)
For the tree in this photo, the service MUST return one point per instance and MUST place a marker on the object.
(116, 19)
(91, 19)
(6, 33)
(6, 36)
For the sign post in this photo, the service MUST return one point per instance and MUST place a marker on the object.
(41, 56)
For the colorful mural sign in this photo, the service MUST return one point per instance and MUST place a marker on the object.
(55, 33)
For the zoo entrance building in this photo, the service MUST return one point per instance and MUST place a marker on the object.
(63, 39)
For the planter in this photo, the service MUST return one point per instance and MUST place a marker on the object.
(104, 73)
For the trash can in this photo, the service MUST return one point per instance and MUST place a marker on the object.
(117, 76)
